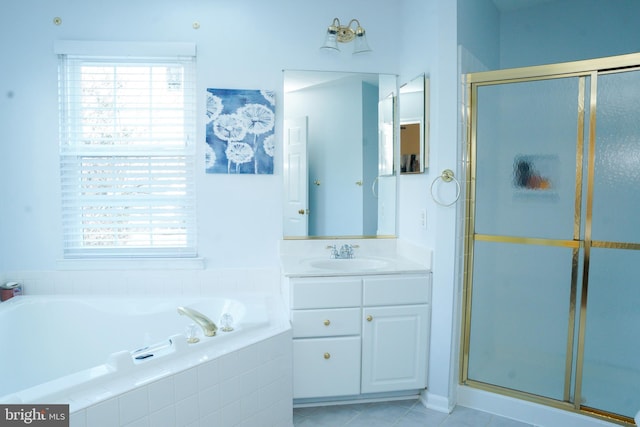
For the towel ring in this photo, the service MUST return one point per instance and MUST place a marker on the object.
(446, 176)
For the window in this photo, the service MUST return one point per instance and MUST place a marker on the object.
(127, 156)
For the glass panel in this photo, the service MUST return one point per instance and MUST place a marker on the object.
(617, 169)
(526, 158)
(611, 376)
(519, 322)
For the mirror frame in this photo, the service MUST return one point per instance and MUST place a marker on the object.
(393, 94)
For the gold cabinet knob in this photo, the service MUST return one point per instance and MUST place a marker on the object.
(327, 355)
(327, 322)
(369, 318)
(301, 211)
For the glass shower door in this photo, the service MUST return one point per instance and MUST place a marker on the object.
(525, 235)
(611, 367)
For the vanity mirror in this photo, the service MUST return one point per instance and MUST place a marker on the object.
(339, 133)
(414, 125)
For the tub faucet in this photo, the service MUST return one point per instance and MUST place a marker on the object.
(208, 327)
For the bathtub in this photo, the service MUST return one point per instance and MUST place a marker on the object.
(126, 361)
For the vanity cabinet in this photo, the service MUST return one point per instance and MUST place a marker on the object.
(355, 335)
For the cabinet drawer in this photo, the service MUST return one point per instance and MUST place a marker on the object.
(329, 292)
(332, 322)
(395, 290)
(326, 367)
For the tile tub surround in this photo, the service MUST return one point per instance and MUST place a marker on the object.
(246, 381)
(159, 282)
(249, 387)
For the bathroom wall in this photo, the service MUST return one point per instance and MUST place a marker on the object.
(241, 44)
(568, 30)
(430, 46)
(479, 31)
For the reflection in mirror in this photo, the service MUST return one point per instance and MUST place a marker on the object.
(414, 125)
(337, 180)
(386, 129)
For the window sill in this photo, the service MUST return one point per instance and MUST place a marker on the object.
(132, 264)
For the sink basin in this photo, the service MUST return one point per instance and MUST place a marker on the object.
(353, 264)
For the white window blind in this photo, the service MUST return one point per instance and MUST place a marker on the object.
(127, 156)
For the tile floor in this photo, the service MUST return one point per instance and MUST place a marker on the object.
(401, 413)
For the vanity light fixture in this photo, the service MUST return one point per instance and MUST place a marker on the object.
(345, 34)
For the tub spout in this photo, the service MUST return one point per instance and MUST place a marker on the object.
(208, 327)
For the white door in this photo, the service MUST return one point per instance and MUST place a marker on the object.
(296, 199)
(394, 348)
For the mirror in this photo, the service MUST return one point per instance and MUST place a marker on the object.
(414, 125)
(339, 133)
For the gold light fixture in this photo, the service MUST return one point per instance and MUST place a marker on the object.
(337, 33)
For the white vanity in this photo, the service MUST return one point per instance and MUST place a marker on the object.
(360, 326)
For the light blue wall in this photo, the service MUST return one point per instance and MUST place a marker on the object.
(430, 46)
(242, 44)
(479, 30)
(554, 31)
(569, 30)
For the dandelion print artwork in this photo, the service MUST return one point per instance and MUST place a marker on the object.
(240, 129)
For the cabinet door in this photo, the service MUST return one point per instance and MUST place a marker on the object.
(395, 342)
(326, 367)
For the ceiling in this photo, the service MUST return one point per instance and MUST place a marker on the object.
(509, 5)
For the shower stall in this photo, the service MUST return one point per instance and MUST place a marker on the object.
(552, 235)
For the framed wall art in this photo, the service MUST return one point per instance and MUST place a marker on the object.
(240, 128)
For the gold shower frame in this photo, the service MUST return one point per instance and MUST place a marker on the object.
(582, 70)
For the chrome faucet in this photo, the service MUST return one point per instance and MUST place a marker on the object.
(208, 327)
(334, 252)
(346, 251)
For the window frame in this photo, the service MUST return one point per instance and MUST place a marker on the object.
(181, 157)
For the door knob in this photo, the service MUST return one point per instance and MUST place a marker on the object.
(369, 318)
(327, 355)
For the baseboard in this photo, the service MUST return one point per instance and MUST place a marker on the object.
(436, 402)
(524, 411)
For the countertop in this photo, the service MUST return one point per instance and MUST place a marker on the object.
(296, 266)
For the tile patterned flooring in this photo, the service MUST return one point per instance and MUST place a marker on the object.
(400, 413)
